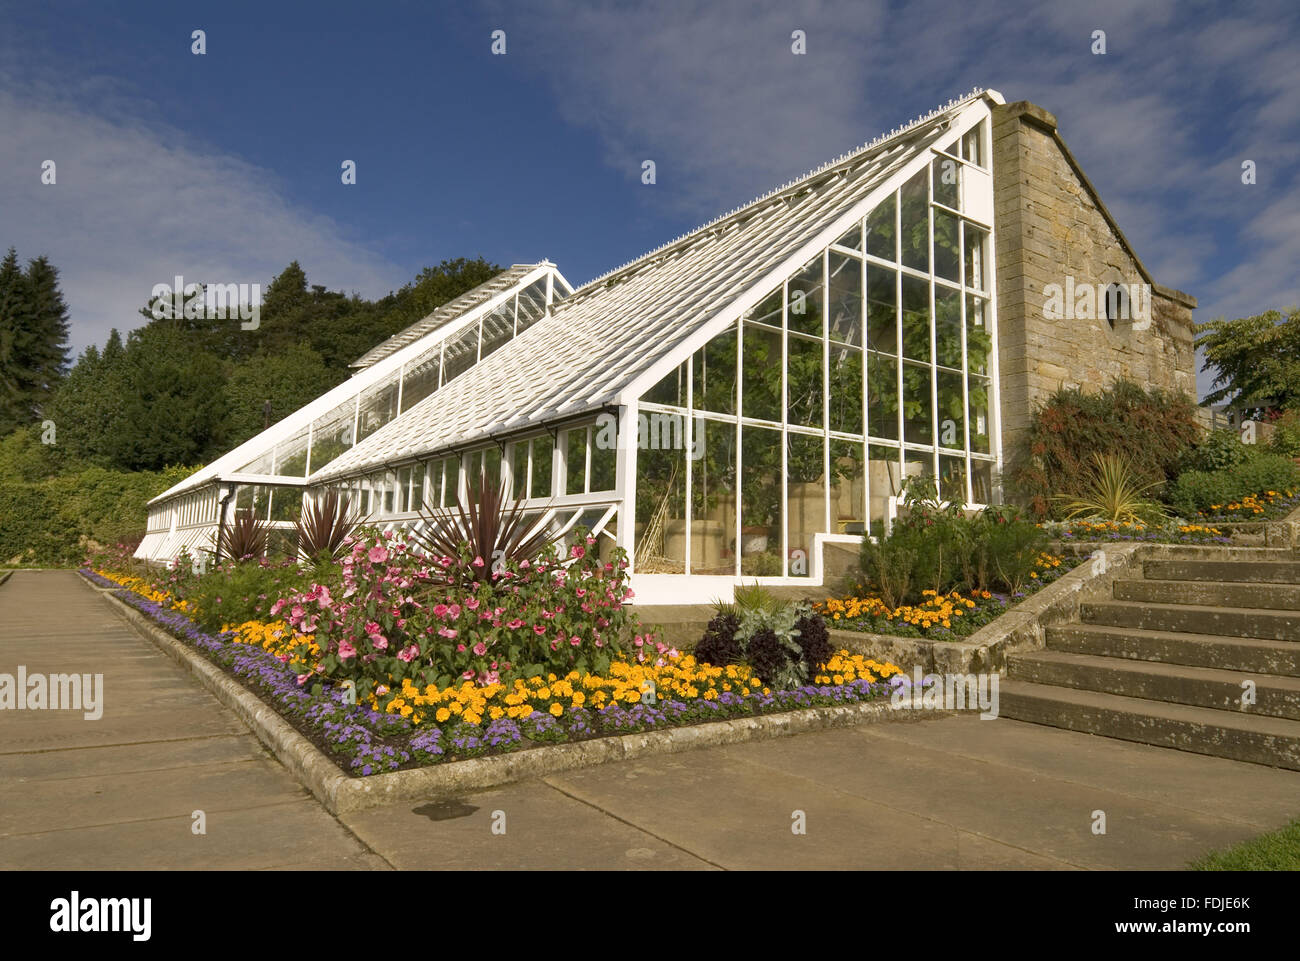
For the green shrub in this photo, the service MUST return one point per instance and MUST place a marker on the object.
(1286, 435)
(1197, 491)
(1151, 429)
(1220, 450)
(941, 549)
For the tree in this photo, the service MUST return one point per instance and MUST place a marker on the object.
(1256, 360)
(288, 379)
(33, 339)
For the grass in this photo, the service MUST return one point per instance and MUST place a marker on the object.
(1275, 851)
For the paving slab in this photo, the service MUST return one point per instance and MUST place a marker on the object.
(119, 792)
(543, 830)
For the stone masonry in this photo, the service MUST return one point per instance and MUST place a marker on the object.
(1051, 226)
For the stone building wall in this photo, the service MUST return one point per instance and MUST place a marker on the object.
(1051, 228)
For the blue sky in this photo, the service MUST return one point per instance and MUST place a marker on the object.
(227, 166)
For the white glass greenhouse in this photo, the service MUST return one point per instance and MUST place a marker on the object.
(722, 408)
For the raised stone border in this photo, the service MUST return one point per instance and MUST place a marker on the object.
(341, 793)
(5, 575)
(1024, 627)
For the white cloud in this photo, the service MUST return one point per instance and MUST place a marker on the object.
(137, 203)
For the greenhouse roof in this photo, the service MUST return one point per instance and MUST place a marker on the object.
(447, 312)
(378, 371)
(599, 345)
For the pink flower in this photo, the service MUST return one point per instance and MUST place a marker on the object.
(480, 648)
(477, 562)
(515, 624)
(408, 654)
(440, 610)
(448, 632)
(539, 629)
(577, 551)
(378, 554)
(575, 640)
(346, 650)
(302, 679)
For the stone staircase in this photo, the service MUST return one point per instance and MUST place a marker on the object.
(1163, 661)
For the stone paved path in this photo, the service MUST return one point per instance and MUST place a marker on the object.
(941, 793)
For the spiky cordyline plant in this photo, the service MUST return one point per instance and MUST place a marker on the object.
(245, 536)
(1114, 493)
(486, 529)
(325, 525)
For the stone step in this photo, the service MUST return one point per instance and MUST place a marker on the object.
(1176, 683)
(1241, 737)
(1195, 619)
(1281, 597)
(1170, 647)
(1255, 571)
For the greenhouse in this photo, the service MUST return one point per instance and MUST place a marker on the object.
(724, 408)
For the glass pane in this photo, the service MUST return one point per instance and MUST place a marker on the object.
(715, 374)
(947, 263)
(403, 488)
(886, 476)
(517, 458)
(498, 328)
(805, 499)
(532, 303)
(974, 240)
(918, 471)
(952, 479)
(603, 461)
(576, 461)
(882, 231)
(972, 146)
(291, 456)
(805, 391)
(979, 414)
(416, 502)
(286, 504)
(420, 379)
(543, 446)
(459, 353)
(846, 389)
(981, 481)
(947, 173)
(435, 484)
(882, 309)
(713, 499)
(760, 502)
(916, 318)
(917, 428)
(804, 299)
(661, 512)
(848, 487)
(671, 390)
(768, 310)
(492, 466)
(853, 238)
(978, 342)
(388, 484)
(761, 373)
(474, 475)
(915, 224)
(882, 396)
(378, 407)
(845, 307)
(331, 435)
(952, 411)
(947, 326)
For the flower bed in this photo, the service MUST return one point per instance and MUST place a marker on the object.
(426, 724)
(1175, 532)
(1266, 506)
(937, 616)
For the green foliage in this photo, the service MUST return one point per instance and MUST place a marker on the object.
(1220, 450)
(785, 643)
(230, 593)
(289, 379)
(1256, 360)
(33, 339)
(1286, 435)
(1113, 493)
(941, 549)
(1197, 491)
(1151, 429)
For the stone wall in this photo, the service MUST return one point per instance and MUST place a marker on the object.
(1050, 227)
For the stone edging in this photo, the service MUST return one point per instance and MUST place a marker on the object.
(5, 575)
(340, 793)
(1025, 625)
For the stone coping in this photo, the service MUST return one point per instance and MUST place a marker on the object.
(341, 793)
(5, 575)
(1025, 625)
